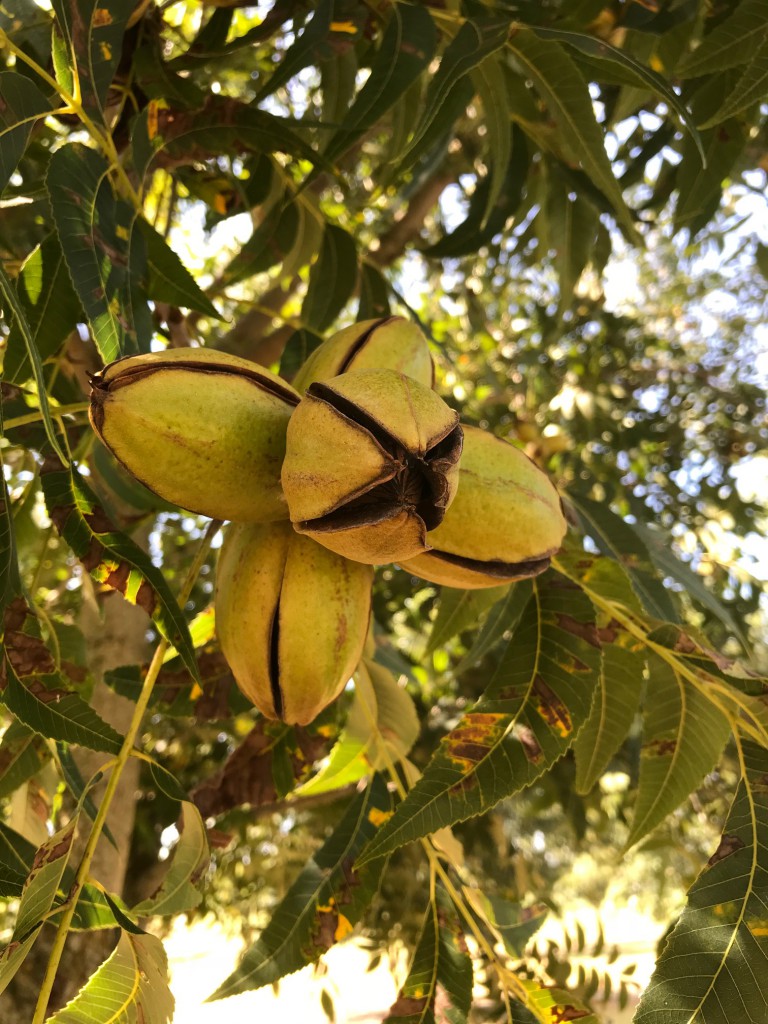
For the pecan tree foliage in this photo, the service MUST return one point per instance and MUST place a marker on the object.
(502, 156)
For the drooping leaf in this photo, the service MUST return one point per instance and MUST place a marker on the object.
(94, 228)
(534, 705)
(56, 713)
(301, 344)
(502, 619)
(97, 909)
(17, 311)
(712, 967)
(268, 246)
(699, 188)
(751, 87)
(169, 280)
(439, 983)
(52, 308)
(374, 294)
(732, 43)
(180, 887)
(617, 699)
(94, 30)
(619, 541)
(566, 94)
(112, 558)
(322, 905)
(312, 44)
(397, 721)
(43, 880)
(572, 223)
(22, 755)
(490, 81)
(13, 956)
(512, 923)
(460, 609)
(683, 737)
(475, 40)
(602, 52)
(331, 280)
(78, 786)
(131, 987)
(21, 104)
(10, 581)
(16, 856)
(407, 47)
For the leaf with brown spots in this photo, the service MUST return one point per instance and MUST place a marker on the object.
(324, 903)
(43, 880)
(537, 699)
(112, 558)
(439, 983)
(552, 1005)
(714, 966)
(683, 737)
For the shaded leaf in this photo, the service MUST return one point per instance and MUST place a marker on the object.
(552, 1005)
(535, 703)
(112, 558)
(713, 966)
(169, 280)
(15, 308)
(604, 577)
(407, 48)
(94, 227)
(312, 44)
(619, 541)
(617, 699)
(21, 104)
(10, 581)
(571, 230)
(78, 787)
(22, 755)
(490, 81)
(43, 880)
(131, 987)
(683, 737)
(268, 246)
(374, 294)
(301, 344)
(180, 887)
(501, 619)
(52, 308)
(57, 713)
(733, 42)
(322, 905)
(460, 609)
(750, 88)
(699, 188)
(332, 279)
(439, 983)
(566, 94)
(16, 855)
(512, 923)
(13, 956)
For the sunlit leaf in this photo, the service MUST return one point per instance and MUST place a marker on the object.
(322, 905)
(43, 879)
(21, 105)
(713, 966)
(552, 1005)
(566, 94)
(94, 228)
(617, 699)
(683, 737)
(536, 701)
(112, 558)
(131, 987)
(439, 983)
(180, 887)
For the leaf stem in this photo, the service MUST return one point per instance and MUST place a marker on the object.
(33, 417)
(114, 778)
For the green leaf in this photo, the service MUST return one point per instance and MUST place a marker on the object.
(713, 965)
(17, 311)
(397, 721)
(603, 577)
(313, 44)
(268, 246)
(490, 81)
(552, 1005)
(513, 924)
(21, 104)
(604, 53)
(43, 880)
(619, 541)
(535, 703)
(322, 905)
(663, 556)
(331, 280)
(700, 188)
(130, 987)
(112, 558)
(617, 699)
(298, 348)
(97, 909)
(474, 41)
(16, 856)
(57, 714)
(683, 737)
(460, 609)
(77, 786)
(571, 230)
(94, 228)
(750, 88)
(22, 755)
(52, 308)
(10, 581)
(374, 294)
(439, 983)
(566, 94)
(94, 30)
(180, 887)
(730, 44)
(502, 619)
(169, 280)
(13, 956)
(407, 48)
